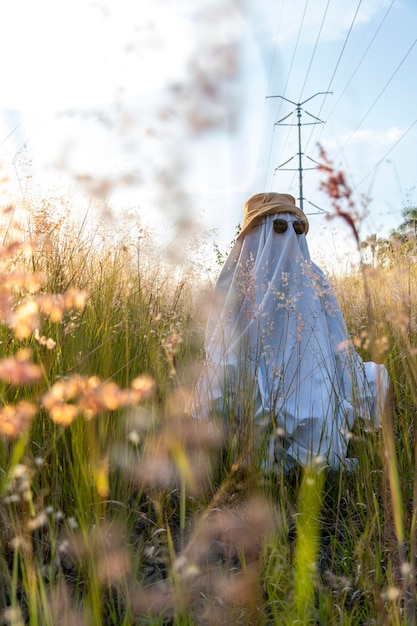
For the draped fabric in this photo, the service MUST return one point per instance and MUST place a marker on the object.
(278, 352)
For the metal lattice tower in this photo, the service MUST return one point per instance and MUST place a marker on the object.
(300, 154)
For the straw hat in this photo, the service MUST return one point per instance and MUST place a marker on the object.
(269, 204)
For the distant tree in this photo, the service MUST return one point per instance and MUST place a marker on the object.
(398, 245)
(384, 253)
(371, 242)
(401, 244)
(409, 223)
(379, 248)
(402, 241)
(409, 214)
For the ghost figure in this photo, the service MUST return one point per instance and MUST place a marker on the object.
(278, 352)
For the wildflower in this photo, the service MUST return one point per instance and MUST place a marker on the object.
(240, 530)
(144, 385)
(13, 616)
(19, 483)
(44, 341)
(338, 191)
(76, 299)
(58, 401)
(19, 472)
(38, 521)
(53, 307)
(105, 545)
(5, 303)
(13, 248)
(91, 396)
(406, 569)
(25, 319)
(15, 419)
(170, 344)
(391, 594)
(154, 600)
(134, 438)
(19, 370)
(61, 607)
(72, 523)
(63, 414)
(15, 280)
(240, 589)
(180, 452)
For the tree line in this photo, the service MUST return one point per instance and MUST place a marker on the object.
(401, 243)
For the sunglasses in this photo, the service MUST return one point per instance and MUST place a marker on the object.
(280, 226)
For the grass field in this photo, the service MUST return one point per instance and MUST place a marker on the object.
(116, 508)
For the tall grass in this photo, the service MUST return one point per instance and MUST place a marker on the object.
(117, 508)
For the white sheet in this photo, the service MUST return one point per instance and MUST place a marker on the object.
(278, 352)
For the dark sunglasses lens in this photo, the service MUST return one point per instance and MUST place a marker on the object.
(299, 227)
(280, 226)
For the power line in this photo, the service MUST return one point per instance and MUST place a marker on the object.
(313, 55)
(338, 62)
(315, 48)
(362, 58)
(387, 153)
(335, 70)
(358, 65)
(11, 133)
(343, 48)
(377, 98)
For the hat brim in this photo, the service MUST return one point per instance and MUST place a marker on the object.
(256, 218)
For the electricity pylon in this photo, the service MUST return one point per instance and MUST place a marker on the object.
(300, 154)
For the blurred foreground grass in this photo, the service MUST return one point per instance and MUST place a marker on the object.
(116, 508)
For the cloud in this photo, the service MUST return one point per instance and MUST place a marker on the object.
(376, 139)
(364, 154)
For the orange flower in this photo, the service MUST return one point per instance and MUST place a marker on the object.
(15, 419)
(76, 299)
(63, 414)
(19, 370)
(90, 396)
(53, 307)
(25, 319)
(143, 387)
(16, 280)
(61, 400)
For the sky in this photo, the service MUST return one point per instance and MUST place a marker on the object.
(168, 111)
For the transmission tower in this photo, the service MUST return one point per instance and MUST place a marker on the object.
(300, 154)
